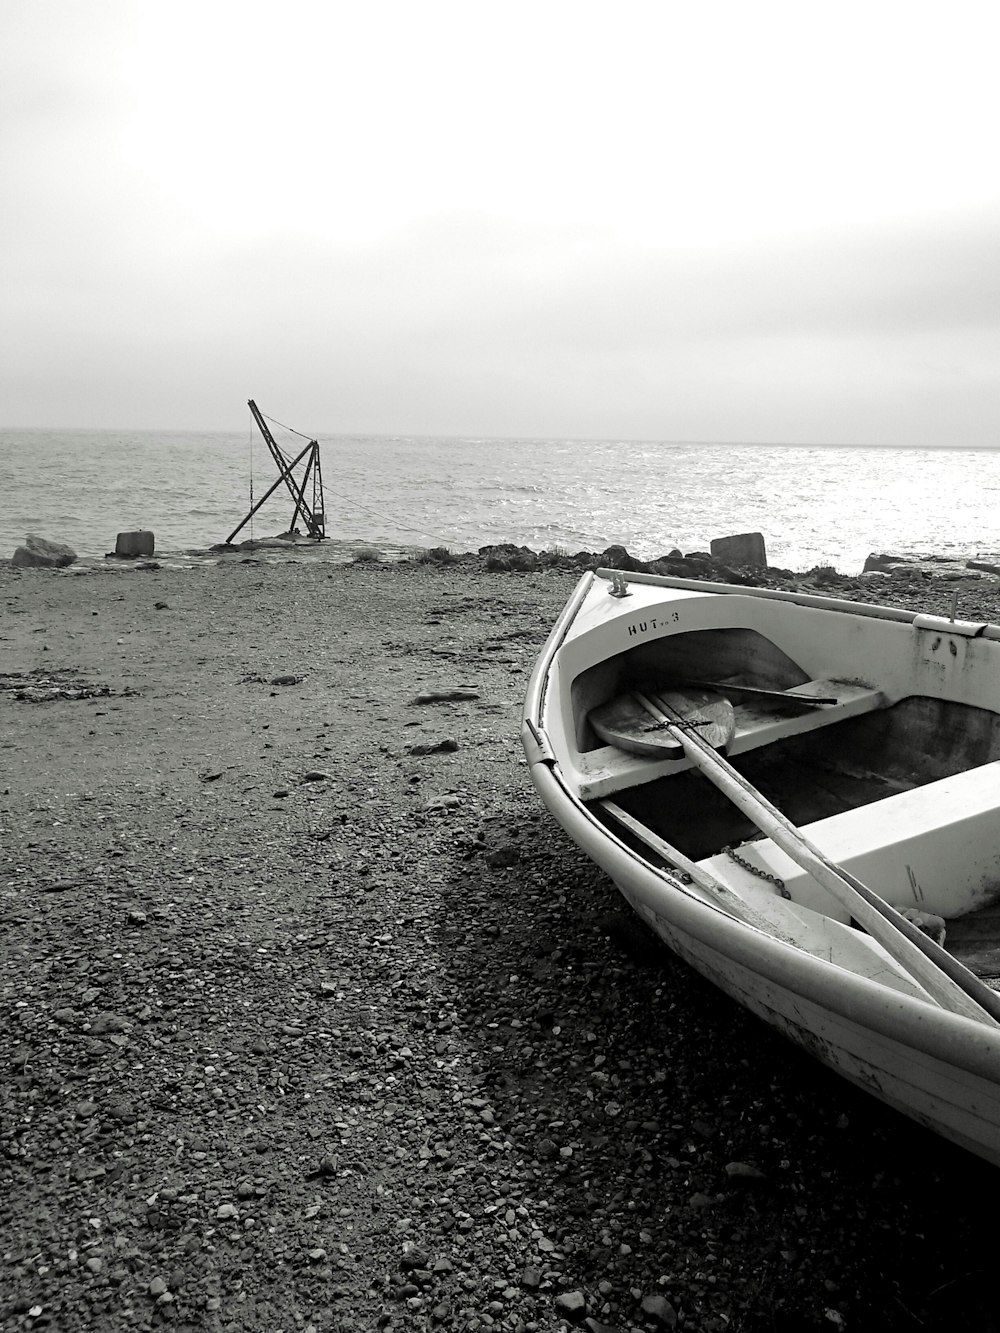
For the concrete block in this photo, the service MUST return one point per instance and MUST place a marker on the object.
(134, 543)
(745, 550)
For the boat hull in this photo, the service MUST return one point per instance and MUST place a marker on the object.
(959, 1105)
(940, 1068)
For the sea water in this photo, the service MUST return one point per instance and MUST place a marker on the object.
(814, 505)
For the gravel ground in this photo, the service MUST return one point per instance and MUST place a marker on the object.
(315, 1021)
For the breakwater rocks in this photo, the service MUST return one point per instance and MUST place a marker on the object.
(936, 585)
(879, 569)
(509, 558)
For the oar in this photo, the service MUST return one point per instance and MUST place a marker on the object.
(624, 722)
(770, 696)
(714, 889)
(945, 980)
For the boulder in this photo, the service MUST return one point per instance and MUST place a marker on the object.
(617, 557)
(745, 550)
(506, 556)
(131, 544)
(882, 562)
(40, 553)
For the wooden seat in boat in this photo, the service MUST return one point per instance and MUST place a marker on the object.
(607, 769)
(758, 725)
(935, 848)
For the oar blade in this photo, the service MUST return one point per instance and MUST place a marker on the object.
(709, 713)
(623, 722)
(627, 722)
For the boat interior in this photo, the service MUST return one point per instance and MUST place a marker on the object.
(905, 794)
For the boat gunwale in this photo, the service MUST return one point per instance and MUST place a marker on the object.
(874, 610)
(539, 679)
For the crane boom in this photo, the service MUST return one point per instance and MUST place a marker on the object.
(313, 514)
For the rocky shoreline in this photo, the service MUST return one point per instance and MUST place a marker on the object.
(314, 1020)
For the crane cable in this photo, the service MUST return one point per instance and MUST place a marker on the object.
(251, 482)
(374, 513)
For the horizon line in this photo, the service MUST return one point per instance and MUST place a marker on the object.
(525, 439)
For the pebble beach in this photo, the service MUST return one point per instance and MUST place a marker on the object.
(316, 1022)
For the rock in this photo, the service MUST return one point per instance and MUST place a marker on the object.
(131, 544)
(700, 1200)
(881, 562)
(121, 1111)
(697, 565)
(109, 1022)
(459, 695)
(446, 802)
(616, 557)
(909, 572)
(39, 553)
(447, 745)
(659, 1310)
(506, 556)
(983, 565)
(746, 549)
(413, 1256)
(506, 855)
(572, 1305)
(743, 1171)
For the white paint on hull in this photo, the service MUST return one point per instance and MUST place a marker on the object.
(860, 1014)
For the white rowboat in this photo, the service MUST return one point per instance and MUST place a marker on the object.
(856, 906)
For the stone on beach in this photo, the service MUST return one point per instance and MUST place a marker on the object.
(40, 553)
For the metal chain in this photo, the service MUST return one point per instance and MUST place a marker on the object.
(756, 870)
(682, 875)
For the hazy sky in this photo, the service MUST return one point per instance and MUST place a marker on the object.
(721, 221)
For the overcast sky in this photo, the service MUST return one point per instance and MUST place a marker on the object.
(720, 221)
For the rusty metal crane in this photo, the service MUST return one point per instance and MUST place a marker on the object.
(311, 512)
